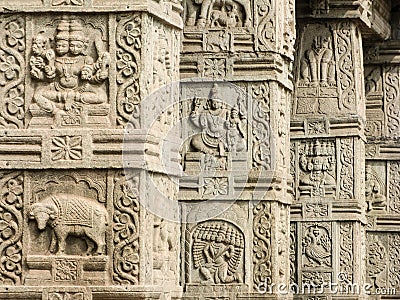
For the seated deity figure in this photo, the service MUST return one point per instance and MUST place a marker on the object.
(212, 121)
(77, 77)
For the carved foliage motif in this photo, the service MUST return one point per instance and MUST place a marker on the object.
(347, 170)
(266, 25)
(67, 2)
(126, 229)
(376, 263)
(128, 37)
(11, 185)
(261, 128)
(394, 263)
(262, 263)
(12, 71)
(394, 187)
(345, 66)
(218, 249)
(293, 253)
(392, 103)
(346, 251)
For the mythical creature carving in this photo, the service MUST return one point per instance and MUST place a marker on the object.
(373, 190)
(217, 251)
(317, 67)
(71, 77)
(71, 215)
(218, 13)
(317, 247)
(317, 160)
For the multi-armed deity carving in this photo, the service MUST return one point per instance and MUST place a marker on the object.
(317, 66)
(218, 13)
(222, 128)
(68, 77)
(374, 187)
(217, 252)
(317, 161)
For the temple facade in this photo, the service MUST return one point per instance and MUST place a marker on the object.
(199, 149)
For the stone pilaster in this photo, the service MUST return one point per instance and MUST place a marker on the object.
(249, 44)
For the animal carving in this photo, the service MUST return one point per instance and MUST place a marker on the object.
(71, 215)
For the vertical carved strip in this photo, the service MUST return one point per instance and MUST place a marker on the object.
(261, 129)
(12, 71)
(266, 25)
(262, 265)
(392, 85)
(346, 252)
(11, 185)
(346, 67)
(394, 261)
(126, 229)
(346, 172)
(129, 44)
(292, 254)
(394, 187)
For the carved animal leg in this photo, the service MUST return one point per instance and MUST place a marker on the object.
(53, 242)
(191, 13)
(90, 246)
(61, 242)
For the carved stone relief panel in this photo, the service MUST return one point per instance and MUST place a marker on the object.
(375, 186)
(69, 67)
(215, 250)
(326, 70)
(383, 260)
(394, 188)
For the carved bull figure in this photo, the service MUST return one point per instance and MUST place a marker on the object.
(71, 215)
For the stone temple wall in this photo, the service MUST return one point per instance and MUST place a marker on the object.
(199, 149)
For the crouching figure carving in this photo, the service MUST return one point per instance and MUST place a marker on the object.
(71, 215)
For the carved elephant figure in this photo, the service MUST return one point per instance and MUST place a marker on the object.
(71, 215)
(205, 9)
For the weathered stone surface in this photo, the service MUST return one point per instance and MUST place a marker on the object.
(199, 149)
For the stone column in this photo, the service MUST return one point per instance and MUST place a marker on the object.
(235, 154)
(74, 89)
(327, 150)
(382, 160)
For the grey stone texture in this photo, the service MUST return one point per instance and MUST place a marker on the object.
(199, 149)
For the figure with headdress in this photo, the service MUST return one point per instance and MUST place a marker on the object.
(77, 77)
(43, 58)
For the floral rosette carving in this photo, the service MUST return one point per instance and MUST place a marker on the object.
(129, 44)
(12, 71)
(11, 228)
(126, 230)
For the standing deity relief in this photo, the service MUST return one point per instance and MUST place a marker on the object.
(218, 13)
(67, 77)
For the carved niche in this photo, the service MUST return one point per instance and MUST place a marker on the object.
(325, 70)
(317, 164)
(69, 68)
(217, 253)
(317, 245)
(67, 227)
(227, 13)
(219, 132)
(374, 190)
